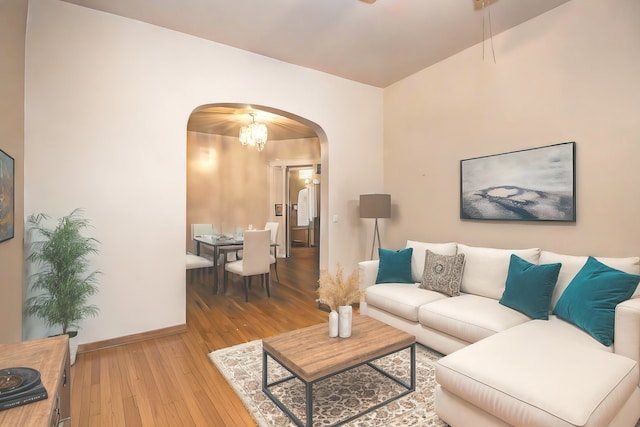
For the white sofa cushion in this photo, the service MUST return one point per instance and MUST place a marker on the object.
(539, 374)
(485, 269)
(627, 329)
(469, 317)
(419, 254)
(571, 264)
(400, 299)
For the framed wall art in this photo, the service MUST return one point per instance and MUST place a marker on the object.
(7, 200)
(537, 184)
(278, 209)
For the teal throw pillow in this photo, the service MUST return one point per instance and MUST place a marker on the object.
(394, 266)
(529, 287)
(590, 299)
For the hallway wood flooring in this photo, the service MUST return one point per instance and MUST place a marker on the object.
(170, 381)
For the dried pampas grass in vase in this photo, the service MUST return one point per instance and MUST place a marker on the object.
(339, 293)
(335, 291)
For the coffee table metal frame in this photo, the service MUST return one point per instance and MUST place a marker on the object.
(410, 387)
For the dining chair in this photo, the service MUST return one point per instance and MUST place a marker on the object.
(273, 228)
(231, 252)
(202, 230)
(255, 260)
(196, 265)
(228, 254)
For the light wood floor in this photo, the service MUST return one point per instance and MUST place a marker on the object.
(170, 381)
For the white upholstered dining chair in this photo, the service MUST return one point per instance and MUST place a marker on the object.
(273, 228)
(202, 230)
(255, 260)
(196, 265)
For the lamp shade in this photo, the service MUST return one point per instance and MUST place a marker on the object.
(375, 206)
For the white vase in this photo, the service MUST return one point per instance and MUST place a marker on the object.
(345, 312)
(333, 324)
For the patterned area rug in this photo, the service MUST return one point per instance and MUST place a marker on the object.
(335, 398)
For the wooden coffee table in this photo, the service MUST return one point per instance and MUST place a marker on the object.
(311, 356)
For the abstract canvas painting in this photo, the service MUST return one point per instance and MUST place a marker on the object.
(537, 184)
(6, 196)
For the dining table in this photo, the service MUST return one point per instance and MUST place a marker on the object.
(216, 242)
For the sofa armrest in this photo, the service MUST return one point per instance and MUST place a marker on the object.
(367, 273)
(626, 339)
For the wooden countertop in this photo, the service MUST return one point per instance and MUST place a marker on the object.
(46, 355)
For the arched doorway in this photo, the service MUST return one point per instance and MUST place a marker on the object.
(233, 186)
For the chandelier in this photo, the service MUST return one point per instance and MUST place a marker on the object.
(254, 134)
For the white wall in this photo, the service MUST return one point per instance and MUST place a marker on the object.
(230, 186)
(107, 103)
(568, 75)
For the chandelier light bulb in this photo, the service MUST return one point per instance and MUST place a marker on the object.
(254, 134)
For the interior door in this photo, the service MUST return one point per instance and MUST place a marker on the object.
(303, 207)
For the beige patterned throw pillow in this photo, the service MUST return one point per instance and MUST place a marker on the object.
(442, 273)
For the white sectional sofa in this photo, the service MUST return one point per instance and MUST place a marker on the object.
(503, 367)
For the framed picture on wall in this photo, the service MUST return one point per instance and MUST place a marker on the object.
(278, 209)
(537, 184)
(6, 196)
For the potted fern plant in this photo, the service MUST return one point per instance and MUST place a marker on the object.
(62, 284)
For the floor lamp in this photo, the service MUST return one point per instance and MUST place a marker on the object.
(375, 206)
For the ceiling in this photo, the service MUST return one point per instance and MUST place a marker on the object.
(226, 119)
(376, 44)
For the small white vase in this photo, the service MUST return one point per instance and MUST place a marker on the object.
(333, 324)
(345, 312)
